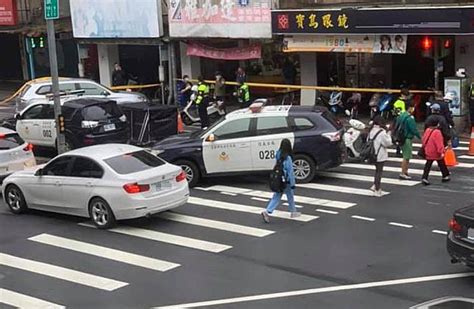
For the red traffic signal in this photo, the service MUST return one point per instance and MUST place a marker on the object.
(448, 43)
(427, 43)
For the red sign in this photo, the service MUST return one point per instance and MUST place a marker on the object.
(244, 53)
(8, 12)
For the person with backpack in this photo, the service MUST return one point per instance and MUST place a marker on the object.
(405, 131)
(282, 180)
(379, 140)
(433, 149)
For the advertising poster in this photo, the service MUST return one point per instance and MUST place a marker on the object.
(8, 12)
(454, 86)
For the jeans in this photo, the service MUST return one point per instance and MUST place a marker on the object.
(378, 174)
(275, 201)
(441, 164)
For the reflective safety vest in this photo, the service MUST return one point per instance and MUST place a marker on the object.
(244, 93)
(400, 104)
(203, 92)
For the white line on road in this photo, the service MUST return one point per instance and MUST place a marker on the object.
(24, 301)
(408, 226)
(440, 232)
(389, 169)
(419, 161)
(363, 218)
(297, 206)
(347, 287)
(103, 252)
(339, 189)
(61, 273)
(247, 209)
(260, 199)
(457, 148)
(327, 211)
(168, 238)
(218, 225)
(228, 193)
(466, 157)
(391, 181)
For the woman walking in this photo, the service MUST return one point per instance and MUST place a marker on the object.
(433, 145)
(284, 153)
(382, 140)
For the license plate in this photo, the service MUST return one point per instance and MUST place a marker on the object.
(470, 234)
(109, 127)
(163, 185)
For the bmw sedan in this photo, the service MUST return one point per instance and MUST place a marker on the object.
(104, 182)
(15, 153)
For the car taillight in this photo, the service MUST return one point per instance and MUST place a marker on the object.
(333, 136)
(181, 177)
(133, 188)
(29, 147)
(86, 124)
(454, 226)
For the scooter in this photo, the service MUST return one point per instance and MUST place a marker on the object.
(352, 105)
(385, 105)
(190, 113)
(355, 139)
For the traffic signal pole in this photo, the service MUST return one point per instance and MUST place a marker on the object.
(53, 64)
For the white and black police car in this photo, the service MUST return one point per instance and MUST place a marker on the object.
(246, 141)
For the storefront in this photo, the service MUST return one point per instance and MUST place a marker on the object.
(372, 47)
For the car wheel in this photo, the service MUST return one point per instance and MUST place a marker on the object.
(101, 214)
(15, 199)
(191, 170)
(304, 168)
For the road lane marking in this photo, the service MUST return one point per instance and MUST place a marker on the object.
(228, 193)
(389, 169)
(408, 226)
(298, 199)
(457, 148)
(218, 225)
(297, 206)
(440, 232)
(339, 189)
(260, 199)
(327, 211)
(329, 289)
(103, 252)
(391, 181)
(168, 238)
(419, 161)
(61, 273)
(247, 209)
(466, 157)
(363, 218)
(18, 300)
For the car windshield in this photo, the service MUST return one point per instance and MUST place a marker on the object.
(134, 162)
(102, 111)
(201, 133)
(9, 141)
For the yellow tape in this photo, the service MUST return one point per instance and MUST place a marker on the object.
(134, 87)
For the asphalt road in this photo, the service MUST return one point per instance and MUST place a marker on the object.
(345, 252)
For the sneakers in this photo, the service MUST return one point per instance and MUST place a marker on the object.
(445, 179)
(378, 193)
(265, 216)
(404, 177)
(295, 214)
(425, 182)
(372, 188)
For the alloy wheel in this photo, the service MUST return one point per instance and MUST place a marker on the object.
(302, 169)
(14, 199)
(189, 172)
(100, 213)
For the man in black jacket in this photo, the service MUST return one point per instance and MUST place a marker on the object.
(119, 76)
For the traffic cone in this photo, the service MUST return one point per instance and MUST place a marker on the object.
(471, 144)
(180, 124)
(450, 157)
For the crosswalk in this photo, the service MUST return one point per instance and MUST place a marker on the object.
(215, 221)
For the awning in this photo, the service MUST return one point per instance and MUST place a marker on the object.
(253, 51)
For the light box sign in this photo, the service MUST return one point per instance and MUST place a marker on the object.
(8, 13)
(220, 18)
(116, 18)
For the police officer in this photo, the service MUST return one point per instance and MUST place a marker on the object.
(202, 101)
(243, 94)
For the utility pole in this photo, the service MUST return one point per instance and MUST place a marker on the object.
(51, 12)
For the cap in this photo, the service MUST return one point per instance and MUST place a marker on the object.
(435, 107)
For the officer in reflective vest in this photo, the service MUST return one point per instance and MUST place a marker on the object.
(202, 101)
(243, 94)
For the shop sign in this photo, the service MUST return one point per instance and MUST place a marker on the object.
(8, 13)
(244, 53)
(374, 21)
(220, 18)
(384, 43)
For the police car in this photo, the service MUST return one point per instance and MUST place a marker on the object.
(246, 141)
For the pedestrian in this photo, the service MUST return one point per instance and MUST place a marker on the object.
(382, 140)
(400, 106)
(434, 149)
(202, 101)
(289, 72)
(436, 116)
(285, 154)
(240, 75)
(243, 94)
(184, 87)
(119, 76)
(407, 125)
(219, 90)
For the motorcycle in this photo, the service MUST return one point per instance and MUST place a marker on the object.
(352, 105)
(354, 139)
(190, 113)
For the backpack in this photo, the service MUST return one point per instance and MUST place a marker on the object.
(277, 177)
(399, 134)
(368, 153)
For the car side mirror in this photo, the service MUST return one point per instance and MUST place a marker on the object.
(17, 116)
(39, 172)
(211, 138)
(105, 93)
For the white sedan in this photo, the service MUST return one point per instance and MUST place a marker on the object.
(15, 153)
(104, 182)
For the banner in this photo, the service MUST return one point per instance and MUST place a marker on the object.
(220, 18)
(8, 13)
(385, 43)
(244, 53)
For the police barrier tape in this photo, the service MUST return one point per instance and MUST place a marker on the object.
(127, 87)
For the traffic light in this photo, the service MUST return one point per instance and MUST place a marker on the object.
(427, 43)
(448, 43)
(61, 123)
(32, 43)
(41, 42)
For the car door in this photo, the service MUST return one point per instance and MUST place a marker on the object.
(28, 124)
(231, 149)
(47, 125)
(93, 90)
(270, 131)
(77, 187)
(45, 190)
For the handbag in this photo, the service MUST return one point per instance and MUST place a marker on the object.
(454, 138)
(421, 151)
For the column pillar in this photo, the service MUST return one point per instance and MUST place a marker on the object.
(108, 55)
(190, 65)
(309, 77)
